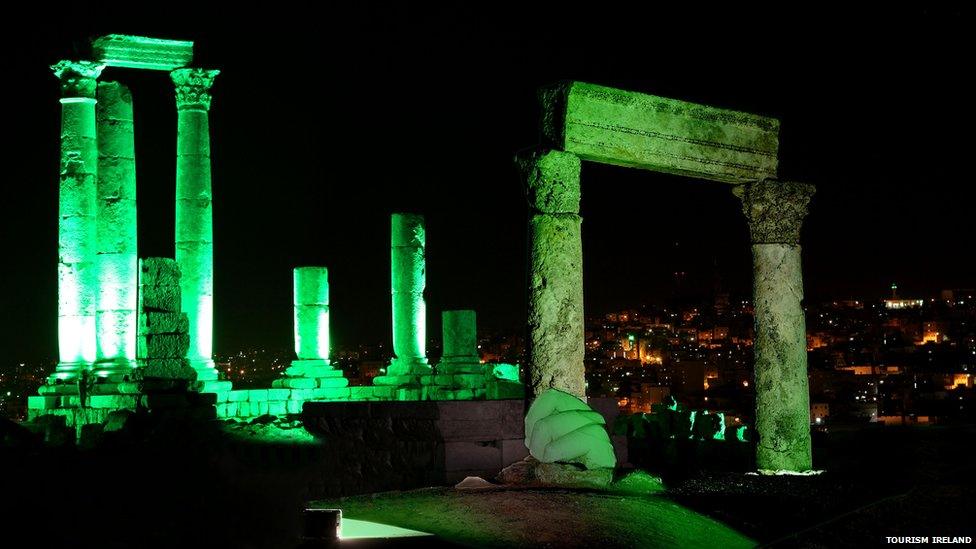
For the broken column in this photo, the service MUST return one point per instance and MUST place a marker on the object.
(775, 212)
(163, 330)
(555, 350)
(77, 217)
(460, 331)
(116, 259)
(408, 277)
(194, 214)
(312, 369)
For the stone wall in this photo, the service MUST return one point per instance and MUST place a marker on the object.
(403, 445)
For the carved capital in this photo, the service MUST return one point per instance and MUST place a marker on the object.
(774, 209)
(193, 87)
(78, 78)
(552, 180)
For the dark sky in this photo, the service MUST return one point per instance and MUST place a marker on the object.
(323, 123)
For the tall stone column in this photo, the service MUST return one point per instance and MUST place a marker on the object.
(312, 314)
(77, 217)
(556, 339)
(116, 261)
(194, 214)
(408, 278)
(775, 212)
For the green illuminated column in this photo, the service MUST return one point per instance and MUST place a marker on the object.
(77, 217)
(775, 212)
(409, 278)
(116, 260)
(555, 350)
(312, 314)
(460, 337)
(194, 215)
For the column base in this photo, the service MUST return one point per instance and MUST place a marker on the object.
(114, 370)
(408, 366)
(67, 371)
(205, 368)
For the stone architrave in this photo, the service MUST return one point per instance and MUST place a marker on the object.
(555, 350)
(77, 213)
(194, 213)
(644, 131)
(460, 338)
(775, 212)
(116, 260)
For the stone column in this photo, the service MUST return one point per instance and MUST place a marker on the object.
(555, 350)
(460, 337)
(77, 217)
(116, 261)
(408, 272)
(194, 214)
(312, 314)
(775, 212)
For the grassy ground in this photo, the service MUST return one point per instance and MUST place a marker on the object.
(543, 518)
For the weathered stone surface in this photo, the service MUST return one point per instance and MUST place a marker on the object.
(163, 345)
(163, 323)
(311, 311)
(460, 337)
(655, 133)
(775, 212)
(160, 298)
(168, 368)
(500, 389)
(639, 483)
(159, 271)
(556, 272)
(569, 475)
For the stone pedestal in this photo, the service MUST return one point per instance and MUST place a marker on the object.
(312, 369)
(775, 211)
(77, 218)
(116, 260)
(194, 214)
(555, 350)
(408, 278)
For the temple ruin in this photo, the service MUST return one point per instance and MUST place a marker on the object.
(100, 319)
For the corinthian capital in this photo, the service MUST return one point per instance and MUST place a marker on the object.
(78, 78)
(193, 87)
(774, 209)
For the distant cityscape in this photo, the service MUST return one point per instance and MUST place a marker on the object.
(895, 361)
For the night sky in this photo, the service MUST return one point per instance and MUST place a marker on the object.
(324, 123)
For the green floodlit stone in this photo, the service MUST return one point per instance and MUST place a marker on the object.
(509, 372)
(77, 273)
(408, 280)
(194, 210)
(141, 52)
(116, 233)
(559, 427)
(311, 306)
(637, 130)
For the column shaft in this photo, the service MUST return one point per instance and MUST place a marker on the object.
(408, 280)
(775, 212)
(77, 217)
(555, 316)
(460, 337)
(194, 214)
(312, 313)
(117, 261)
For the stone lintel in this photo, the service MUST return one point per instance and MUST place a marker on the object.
(142, 52)
(774, 209)
(644, 131)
